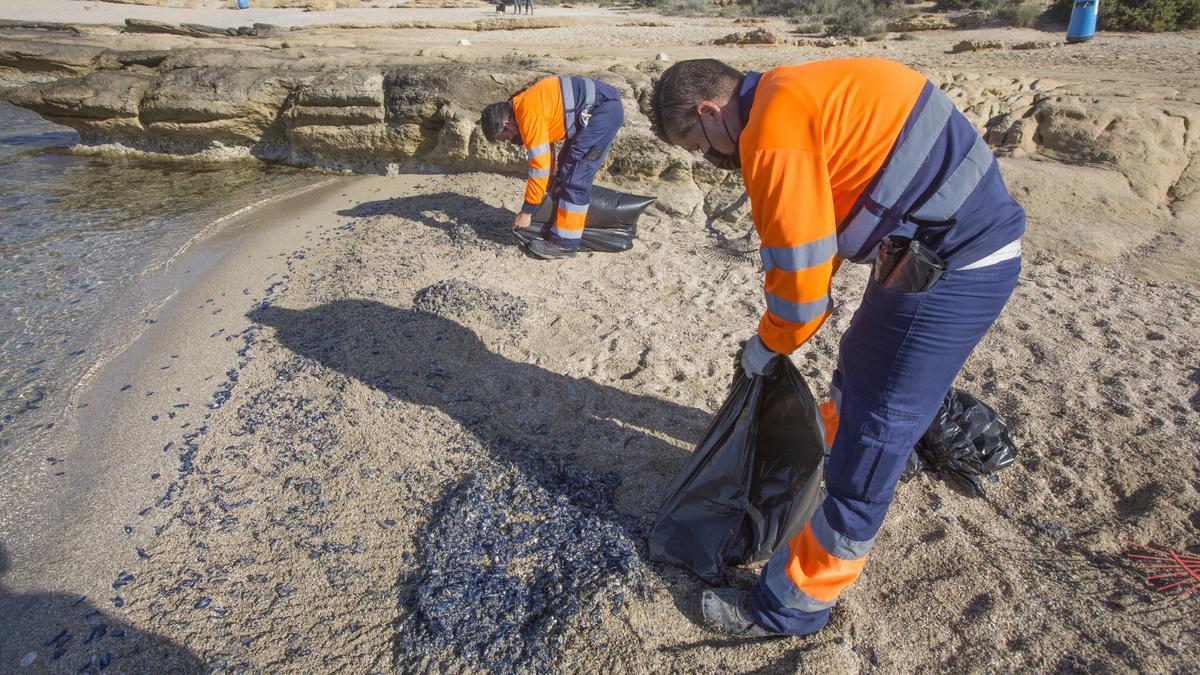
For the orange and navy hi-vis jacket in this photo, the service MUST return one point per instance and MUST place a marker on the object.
(838, 154)
(551, 110)
(539, 114)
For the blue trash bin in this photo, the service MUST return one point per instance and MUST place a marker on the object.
(243, 4)
(1083, 21)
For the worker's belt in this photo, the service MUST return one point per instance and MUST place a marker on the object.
(571, 111)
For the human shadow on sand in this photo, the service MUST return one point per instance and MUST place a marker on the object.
(511, 407)
(52, 632)
(444, 211)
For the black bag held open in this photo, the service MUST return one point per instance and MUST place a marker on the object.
(610, 226)
(752, 482)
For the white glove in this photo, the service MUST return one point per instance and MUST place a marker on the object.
(756, 357)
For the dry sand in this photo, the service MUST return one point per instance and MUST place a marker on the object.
(315, 482)
(363, 401)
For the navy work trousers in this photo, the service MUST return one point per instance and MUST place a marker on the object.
(896, 363)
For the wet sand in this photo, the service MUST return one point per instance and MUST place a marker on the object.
(72, 525)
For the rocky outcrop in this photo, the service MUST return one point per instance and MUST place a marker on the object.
(1151, 143)
(216, 103)
(379, 115)
(1150, 140)
(976, 46)
(758, 36)
(55, 58)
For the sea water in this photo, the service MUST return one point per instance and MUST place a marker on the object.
(76, 235)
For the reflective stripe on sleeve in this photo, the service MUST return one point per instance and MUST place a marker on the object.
(539, 173)
(796, 258)
(798, 312)
(540, 150)
(854, 235)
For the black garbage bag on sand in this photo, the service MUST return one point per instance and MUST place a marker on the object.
(610, 226)
(752, 482)
(966, 443)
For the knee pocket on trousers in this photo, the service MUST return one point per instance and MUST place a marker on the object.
(869, 468)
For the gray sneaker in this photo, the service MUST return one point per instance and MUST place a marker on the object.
(728, 610)
(540, 248)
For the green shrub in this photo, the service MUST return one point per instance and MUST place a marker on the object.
(1026, 13)
(804, 27)
(1018, 13)
(795, 8)
(840, 17)
(1154, 16)
(855, 19)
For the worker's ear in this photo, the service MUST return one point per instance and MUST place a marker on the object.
(704, 108)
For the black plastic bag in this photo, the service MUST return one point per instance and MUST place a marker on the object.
(966, 443)
(610, 226)
(752, 482)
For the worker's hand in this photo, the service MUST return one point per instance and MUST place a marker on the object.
(757, 358)
(522, 221)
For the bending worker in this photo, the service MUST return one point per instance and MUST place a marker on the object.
(585, 115)
(866, 161)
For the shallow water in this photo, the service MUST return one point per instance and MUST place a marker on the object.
(76, 234)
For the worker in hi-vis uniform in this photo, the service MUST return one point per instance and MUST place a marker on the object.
(584, 114)
(859, 160)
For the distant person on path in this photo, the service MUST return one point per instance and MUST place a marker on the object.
(585, 115)
(859, 160)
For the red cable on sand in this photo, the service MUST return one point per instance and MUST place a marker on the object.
(1180, 570)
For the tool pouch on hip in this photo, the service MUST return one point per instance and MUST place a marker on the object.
(907, 266)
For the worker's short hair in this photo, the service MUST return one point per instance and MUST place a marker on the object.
(681, 87)
(492, 119)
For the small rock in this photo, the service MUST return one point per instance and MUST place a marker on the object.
(464, 43)
(1034, 44)
(661, 56)
(758, 36)
(976, 46)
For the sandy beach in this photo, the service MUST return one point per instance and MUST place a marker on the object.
(335, 444)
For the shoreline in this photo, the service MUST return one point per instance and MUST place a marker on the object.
(109, 438)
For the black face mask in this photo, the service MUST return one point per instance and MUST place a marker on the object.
(721, 160)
